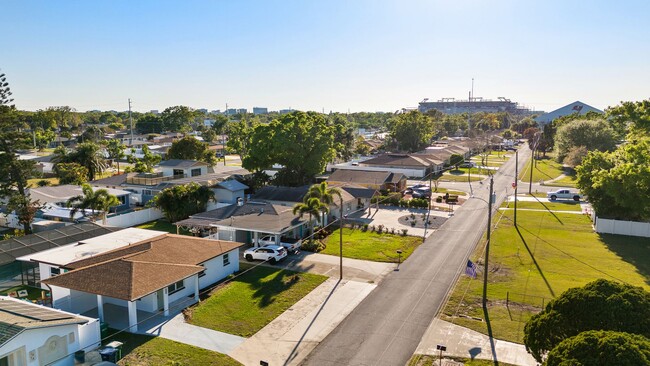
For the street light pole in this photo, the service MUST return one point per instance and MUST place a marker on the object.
(516, 181)
(341, 242)
(487, 246)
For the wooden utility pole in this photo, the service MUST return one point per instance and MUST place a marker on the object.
(487, 245)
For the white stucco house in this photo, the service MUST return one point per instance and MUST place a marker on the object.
(35, 335)
(147, 277)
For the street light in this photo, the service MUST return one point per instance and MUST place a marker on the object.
(341, 241)
(487, 245)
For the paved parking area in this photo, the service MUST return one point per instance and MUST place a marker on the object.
(388, 216)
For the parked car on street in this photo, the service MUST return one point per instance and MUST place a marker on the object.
(468, 164)
(563, 194)
(291, 245)
(271, 253)
(421, 193)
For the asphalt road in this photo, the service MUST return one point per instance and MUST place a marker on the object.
(387, 326)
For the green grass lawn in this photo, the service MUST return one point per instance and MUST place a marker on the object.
(427, 360)
(569, 180)
(252, 300)
(550, 253)
(544, 169)
(34, 182)
(552, 206)
(450, 191)
(144, 350)
(474, 171)
(163, 225)
(371, 246)
(458, 178)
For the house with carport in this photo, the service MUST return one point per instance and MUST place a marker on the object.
(35, 335)
(155, 276)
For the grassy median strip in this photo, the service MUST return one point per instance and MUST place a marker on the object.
(252, 300)
(547, 254)
(144, 350)
(542, 205)
(371, 246)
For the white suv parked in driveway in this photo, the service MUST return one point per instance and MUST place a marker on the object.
(271, 253)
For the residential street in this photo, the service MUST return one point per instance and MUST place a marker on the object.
(387, 326)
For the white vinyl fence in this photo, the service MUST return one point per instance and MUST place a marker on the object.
(134, 218)
(618, 227)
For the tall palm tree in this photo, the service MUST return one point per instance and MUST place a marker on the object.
(325, 194)
(312, 206)
(91, 156)
(99, 200)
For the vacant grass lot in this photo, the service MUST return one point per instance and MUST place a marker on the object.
(144, 350)
(251, 301)
(32, 183)
(541, 205)
(163, 225)
(549, 253)
(371, 246)
(544, 169)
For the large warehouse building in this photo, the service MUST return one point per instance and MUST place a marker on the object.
(473, 105)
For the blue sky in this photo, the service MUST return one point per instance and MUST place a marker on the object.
(335, 55)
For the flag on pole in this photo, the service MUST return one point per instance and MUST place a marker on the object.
(470, 270)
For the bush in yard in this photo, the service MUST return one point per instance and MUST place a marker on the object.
(394, 198)
(404, 232)
(598, 347)
(380, 229)
(403, 203)
(313, 245)
(43, 183)
(439, 199)
(392, 231)
(364, 228)
(372, 228)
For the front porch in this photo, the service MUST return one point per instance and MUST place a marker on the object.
(117, 317)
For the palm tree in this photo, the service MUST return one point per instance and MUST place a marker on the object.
(90, 156)
(312, 206)
(325, 195)
(99, 200)
(115, 149)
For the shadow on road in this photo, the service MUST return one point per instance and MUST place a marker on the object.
(293, 353)
(532, 256)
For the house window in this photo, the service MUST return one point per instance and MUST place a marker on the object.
(175, 287)
(226, 259)
(55, 271)
(147, 192)
(196, 172)
(178, 172)
(202, 273)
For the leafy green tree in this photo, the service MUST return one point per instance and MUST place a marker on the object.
(149, 123)
(116, 126)
(93, 133)
(181, 201)
(177, 118)
(326, 196)
(239, 136)
(599, 305)
(601, 348)
(412, 131)
(24, 208)
(220, 124)
(95, 200)
(575, 156)
(456, 159)
(208, 135)
(313, 207)
(637, 114)
(361, 147)
(144, 164)
(71, 173)
(303, 143)
(15, 172)
(189, 148)
(617, 183)
(43, 138)
(343, 137)
(115, 149)
(592, 134)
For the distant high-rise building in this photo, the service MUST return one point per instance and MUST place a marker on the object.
(260, 110)
(154, 111)
(242, 110)
(216, 111)
(231, 111)
(202, 110)
(285, 111)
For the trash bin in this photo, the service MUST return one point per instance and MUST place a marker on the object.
(103, 329)
(80, 356)
(108, 354)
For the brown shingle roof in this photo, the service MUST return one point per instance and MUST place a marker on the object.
(139, 269)
(359, 176)
(396, 160)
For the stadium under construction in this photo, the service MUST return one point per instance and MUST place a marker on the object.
(473, 105)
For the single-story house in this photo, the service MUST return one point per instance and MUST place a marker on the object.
(54, 261)
(246, 222)
(14, 272)
(150, 276)
(410, 165)
(377, 180)
(59, 195)
(35, 335)
(229, 191)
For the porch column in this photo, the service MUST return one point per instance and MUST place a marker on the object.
(196, 287)
(277, 239)
(100, 307)
(255, 239)
(166, 301)
(133, 317)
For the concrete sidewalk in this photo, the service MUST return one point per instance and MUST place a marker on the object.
(289, 338)
(464, 342)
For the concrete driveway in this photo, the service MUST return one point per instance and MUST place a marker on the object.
(389, 216)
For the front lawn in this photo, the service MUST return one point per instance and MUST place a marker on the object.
(427, 360)
(371, 246)
(543, 170)
(459, 178)
(548, 254)
(141, 350)
(541, 205)
(252, 300)
(163, 225)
